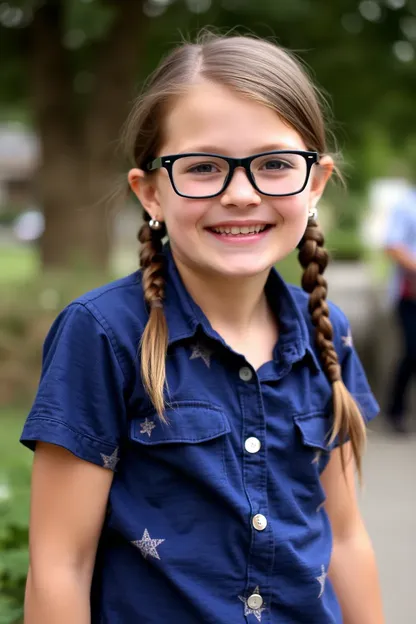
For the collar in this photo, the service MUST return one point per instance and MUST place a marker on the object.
(185, 318)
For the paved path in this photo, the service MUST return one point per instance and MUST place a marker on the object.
(388, 502)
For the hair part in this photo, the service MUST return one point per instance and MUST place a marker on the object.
(262, 71)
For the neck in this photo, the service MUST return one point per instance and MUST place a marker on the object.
(230, 304)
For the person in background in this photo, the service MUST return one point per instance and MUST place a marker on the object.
(400, 247)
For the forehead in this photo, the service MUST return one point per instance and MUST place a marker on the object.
(210, 117)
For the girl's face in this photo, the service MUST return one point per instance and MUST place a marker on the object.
(213, 119)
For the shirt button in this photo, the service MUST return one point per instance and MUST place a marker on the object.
(260, 522)
(245, 373)
(252, 445)
(255, 601)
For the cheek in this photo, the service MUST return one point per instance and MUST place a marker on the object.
(180, 214)
(292, 210)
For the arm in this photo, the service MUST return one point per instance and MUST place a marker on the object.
(401, 256)
(68, 503)
(353, 571)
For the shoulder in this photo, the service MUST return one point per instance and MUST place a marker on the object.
(118, 305)
(115, 311)
(405, 207)
(339, 321)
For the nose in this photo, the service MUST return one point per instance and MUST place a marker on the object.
(240, 192)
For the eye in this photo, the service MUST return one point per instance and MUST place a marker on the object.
(276, 165)
(203, 168)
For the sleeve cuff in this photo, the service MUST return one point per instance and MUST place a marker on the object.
(41, 429)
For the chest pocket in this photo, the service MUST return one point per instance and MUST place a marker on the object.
(312, 450)
(187, 452)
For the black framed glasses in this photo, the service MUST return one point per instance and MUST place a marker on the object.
(200, 175)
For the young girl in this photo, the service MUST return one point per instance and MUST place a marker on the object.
(197, 423)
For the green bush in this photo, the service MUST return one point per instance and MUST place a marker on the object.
(27, 310)
(15, 462)
(14, 551)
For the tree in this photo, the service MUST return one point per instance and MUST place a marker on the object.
(83, 59)
(78, 112)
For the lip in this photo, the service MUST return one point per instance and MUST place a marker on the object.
(238, 224)
(240, 239)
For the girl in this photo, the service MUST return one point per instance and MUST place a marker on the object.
(211, 479)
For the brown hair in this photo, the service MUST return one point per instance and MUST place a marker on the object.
(262, 71)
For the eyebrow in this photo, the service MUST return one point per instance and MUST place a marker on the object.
(212, 149)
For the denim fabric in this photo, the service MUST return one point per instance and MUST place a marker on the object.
(218, 516)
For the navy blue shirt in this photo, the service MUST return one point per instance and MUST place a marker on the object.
(218, 516)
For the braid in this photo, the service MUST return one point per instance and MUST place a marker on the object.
(155, 336)
(348, 421)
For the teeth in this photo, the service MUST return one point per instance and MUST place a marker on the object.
(235, 230)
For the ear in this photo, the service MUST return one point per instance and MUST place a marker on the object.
(145, 189)
(320, 175)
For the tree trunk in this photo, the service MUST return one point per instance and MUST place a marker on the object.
(78, 168)
(77, 219)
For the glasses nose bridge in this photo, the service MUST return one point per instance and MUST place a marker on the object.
(236, 163)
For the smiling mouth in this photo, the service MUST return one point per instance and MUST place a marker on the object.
(240, 230)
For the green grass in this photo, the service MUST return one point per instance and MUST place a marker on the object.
(18, 264)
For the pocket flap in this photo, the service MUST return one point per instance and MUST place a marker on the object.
(315, 429)
(188, 422)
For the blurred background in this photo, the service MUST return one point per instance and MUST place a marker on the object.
(69, 70)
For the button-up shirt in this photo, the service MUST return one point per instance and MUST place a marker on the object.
(217, 516)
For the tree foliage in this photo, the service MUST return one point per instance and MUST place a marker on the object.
(362, 54)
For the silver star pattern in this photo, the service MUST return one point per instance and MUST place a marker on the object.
(201, 351)
(147, 426)
(147, 546)
(347, 340)
(317, 457)
(256, 612)
(322, 580)
(110, 461)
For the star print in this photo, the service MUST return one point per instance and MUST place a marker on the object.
(347, 340)
(256, 612)
(201, 351)
(317, 457)
(321, 580)
(147, 426)
(147, 546)
(110, 461)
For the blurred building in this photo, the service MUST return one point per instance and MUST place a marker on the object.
(19, 157)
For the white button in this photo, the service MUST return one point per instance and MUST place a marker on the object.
(255, 601)
(252, 445)
(260, 522)
(245, 373)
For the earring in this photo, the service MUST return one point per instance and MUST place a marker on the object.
(154, 224)
(313, 213)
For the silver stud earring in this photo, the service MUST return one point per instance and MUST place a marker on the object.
(313, 213)
(154, 224)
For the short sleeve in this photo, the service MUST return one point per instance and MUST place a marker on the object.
(355, 379)
(80, 401)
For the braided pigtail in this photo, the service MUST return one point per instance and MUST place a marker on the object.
(348, 421)
(154, 341)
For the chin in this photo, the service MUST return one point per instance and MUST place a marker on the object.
(243, 270)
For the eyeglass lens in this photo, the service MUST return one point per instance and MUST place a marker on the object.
(274, 174)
